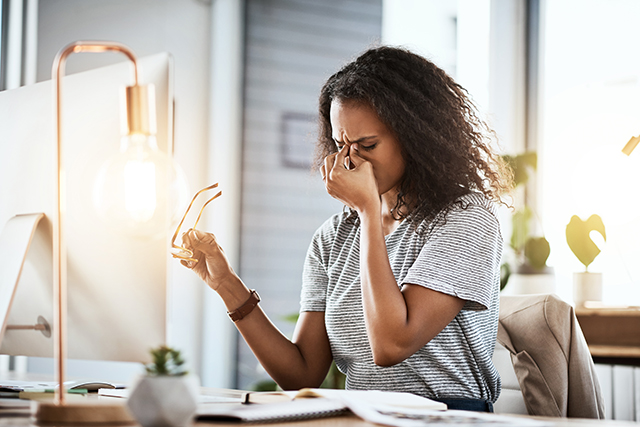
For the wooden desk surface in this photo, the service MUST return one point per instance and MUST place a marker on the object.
(338, 421)
(347, 421)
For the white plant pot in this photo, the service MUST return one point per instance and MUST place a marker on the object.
(524, 284)
(164, 401)
(586, 287)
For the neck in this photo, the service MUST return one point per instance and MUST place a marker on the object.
(389, 219)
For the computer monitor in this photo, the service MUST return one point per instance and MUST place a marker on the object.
(117, 285)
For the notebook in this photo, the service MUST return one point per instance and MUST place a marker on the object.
(279, 411)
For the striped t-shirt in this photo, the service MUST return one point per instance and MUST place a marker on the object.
(459, 256)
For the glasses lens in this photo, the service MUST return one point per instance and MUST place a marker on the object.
(181, 253)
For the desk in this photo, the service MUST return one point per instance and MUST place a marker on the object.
(342, 421)
(352, 421)
(612, 333)
(338, 421)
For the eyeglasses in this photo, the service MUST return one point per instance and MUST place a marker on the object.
(179, 251)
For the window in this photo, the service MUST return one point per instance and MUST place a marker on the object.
(590, 108)
(4, 6)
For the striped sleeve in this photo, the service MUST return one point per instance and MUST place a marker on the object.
(461, 257)
(315, 280)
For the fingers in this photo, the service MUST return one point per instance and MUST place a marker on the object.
(328, 166)
(341, 156)
(201, 244)
(354, 156)
(332, 160)
(188, 264)
(197, 239)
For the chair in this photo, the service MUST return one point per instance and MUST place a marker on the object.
(549, 358)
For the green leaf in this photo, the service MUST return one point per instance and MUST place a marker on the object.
(537, 251)
(166, 361)
(265, 385)
(579, 240)
(505, 273)
(334, 379)
(521, 165)
(520, 224)
(293, 318)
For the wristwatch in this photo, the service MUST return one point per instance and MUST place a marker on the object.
(246, 308)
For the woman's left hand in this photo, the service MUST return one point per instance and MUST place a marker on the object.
(355, 187)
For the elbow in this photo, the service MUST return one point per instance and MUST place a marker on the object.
(387, 356)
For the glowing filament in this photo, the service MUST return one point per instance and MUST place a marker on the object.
(140, 189)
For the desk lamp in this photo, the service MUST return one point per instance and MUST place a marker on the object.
(132, 199)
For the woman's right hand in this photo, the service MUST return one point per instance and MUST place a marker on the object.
(212, 266)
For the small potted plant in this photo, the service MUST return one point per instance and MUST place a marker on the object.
(587, 286)
(166, 396)
(530, 273)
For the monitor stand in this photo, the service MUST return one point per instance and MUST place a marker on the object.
(15, 240)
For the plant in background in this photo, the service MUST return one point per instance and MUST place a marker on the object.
(166, 361)
(587, 286)
(530, 252)
(579, 239)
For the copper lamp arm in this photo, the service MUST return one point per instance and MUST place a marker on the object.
(59, 243)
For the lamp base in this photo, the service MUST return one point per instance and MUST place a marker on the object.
(91, 411)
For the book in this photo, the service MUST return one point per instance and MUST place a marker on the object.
(374, 397)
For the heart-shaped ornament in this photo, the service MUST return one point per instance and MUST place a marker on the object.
(579, 240)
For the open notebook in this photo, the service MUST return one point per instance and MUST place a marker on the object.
(393, 398)
(379, 407)
(310, 403)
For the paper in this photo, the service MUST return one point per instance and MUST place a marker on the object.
(374, 397)
(203, 398)
(412, 417)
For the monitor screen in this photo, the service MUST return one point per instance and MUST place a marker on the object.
(117, 284)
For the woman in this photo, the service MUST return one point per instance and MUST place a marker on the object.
(401, 290)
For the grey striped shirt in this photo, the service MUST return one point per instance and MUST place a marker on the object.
(459, 256)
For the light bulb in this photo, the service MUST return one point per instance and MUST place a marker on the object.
(140, 191)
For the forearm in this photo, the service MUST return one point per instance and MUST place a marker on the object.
(283, 359)
(398, 322)
(385, 308)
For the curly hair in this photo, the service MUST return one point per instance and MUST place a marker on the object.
(445, 145)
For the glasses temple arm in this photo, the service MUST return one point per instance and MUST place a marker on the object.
(175, 235)
(205, 205)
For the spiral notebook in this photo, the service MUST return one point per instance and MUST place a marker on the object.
(280, 411)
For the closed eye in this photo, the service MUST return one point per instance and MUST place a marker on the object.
(368, 147)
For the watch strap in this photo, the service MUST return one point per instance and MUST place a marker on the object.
(246, 308)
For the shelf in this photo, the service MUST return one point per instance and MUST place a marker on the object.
(612, 333)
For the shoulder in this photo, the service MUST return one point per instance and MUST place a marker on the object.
(471, 210)
(337, 224)
(478, 202)
(334, 234)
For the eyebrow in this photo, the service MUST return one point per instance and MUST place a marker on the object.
(357, 141)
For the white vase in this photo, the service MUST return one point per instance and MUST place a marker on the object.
(586, 287)
(164, 401)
